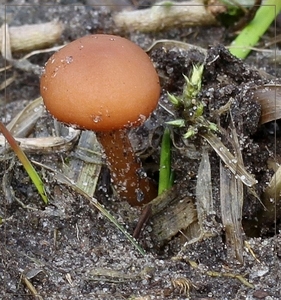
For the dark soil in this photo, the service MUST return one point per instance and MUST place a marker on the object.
(69, 250)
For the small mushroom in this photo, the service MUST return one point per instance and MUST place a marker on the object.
(107, 84)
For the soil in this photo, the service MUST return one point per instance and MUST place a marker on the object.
(68, 249)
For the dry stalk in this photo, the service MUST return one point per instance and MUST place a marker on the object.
(165, 15)
(30, 37)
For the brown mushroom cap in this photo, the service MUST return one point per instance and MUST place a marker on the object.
(100, 82)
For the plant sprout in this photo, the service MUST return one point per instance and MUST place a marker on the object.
(192, 108)
(25, 162)
(195, 123)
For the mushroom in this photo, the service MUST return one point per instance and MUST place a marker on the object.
(106, 84)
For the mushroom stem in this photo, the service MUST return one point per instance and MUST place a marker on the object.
(127, 175)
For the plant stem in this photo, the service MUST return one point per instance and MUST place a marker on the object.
(251, 34)
(165, 163)
(25, 162)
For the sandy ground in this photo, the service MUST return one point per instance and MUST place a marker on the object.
(70, 250)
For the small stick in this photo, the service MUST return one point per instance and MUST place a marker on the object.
(31, 37)
(165, 15)
(144, 217)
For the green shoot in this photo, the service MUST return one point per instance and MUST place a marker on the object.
(251, 34)
(165, 163)
(196, 124)
(191, 107)
(25, 162)
(193, 84)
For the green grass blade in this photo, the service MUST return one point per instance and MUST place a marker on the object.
(165, 163)
(25, 162)
(251, 34)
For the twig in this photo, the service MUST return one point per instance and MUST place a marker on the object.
(30, 37)
(165, 15)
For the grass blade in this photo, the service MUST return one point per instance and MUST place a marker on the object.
(25, 162)
(165, 163)
(251, 34)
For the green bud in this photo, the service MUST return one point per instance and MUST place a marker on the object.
(190, 132)
(187, 81)
(177, 123)
(199, 109)
(193, 84)
(196, 77)
(173, 99)
(213, 126)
